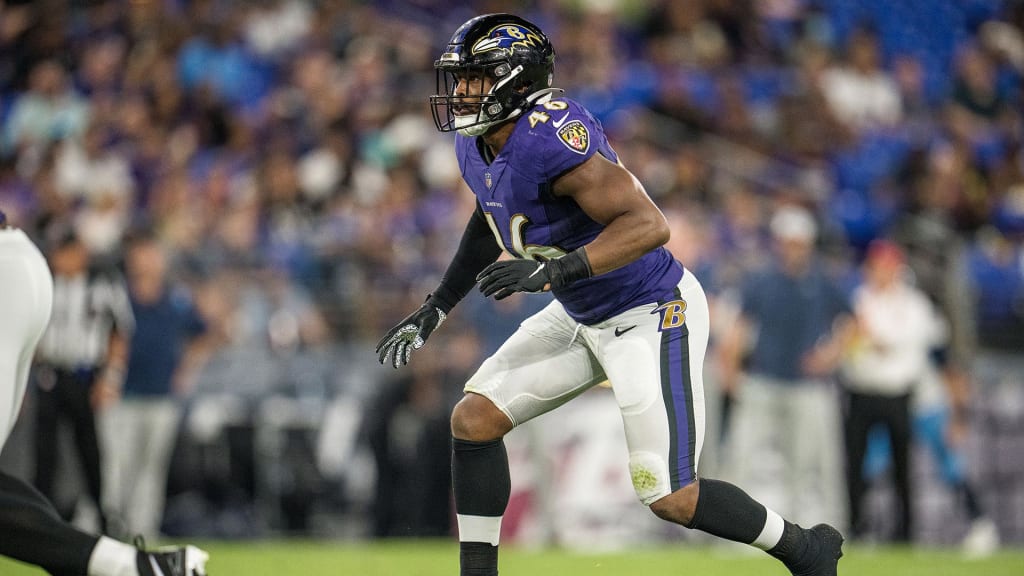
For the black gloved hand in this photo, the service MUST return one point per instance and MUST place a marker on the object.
(506, 277)
(409, 334)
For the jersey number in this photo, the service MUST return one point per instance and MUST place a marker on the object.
(518, 223)
(541, 117)
(517, 229)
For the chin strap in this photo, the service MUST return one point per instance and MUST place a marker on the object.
(543, 96)
(538, 97)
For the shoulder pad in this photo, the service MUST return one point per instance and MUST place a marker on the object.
(565, 119)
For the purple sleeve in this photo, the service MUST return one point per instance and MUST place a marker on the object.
(566, 136)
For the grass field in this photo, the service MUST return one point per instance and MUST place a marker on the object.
(431, 558)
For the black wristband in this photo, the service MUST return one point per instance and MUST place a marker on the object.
(443, 298)
(570, 268)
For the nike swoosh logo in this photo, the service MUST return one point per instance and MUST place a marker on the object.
(539, 268)
(558, 124)
(621, 331)
(156, 567)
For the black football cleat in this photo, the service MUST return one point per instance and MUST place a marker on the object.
(827, 549)
(170, 561)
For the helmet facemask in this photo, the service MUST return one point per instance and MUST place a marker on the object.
(474, 111)
(493, 68)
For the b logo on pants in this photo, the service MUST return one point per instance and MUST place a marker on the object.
(673, 314)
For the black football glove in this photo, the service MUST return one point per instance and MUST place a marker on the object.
(409, 334)
(504, 278)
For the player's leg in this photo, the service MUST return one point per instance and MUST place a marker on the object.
(25, 309)
(539, 368)
(10, 395)
(14, 369)
(480, 480)
(32, 530)
(663, 413)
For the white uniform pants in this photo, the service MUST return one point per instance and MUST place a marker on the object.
(26, 298)
(653, 356)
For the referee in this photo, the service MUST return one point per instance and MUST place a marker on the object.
(80, 360)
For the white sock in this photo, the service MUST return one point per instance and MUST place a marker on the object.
(771, 534)
(112, 558)
(479, 528)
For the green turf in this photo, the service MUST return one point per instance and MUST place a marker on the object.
(304, 558)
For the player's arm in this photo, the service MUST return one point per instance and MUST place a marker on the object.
(476, 250)
(610, 195)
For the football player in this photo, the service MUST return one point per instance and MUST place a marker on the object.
(553, 193)
(31, 530)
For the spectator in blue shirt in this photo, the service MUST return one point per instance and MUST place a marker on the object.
(787, 342)
(141, 429)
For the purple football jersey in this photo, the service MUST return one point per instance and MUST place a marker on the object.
(515, 191)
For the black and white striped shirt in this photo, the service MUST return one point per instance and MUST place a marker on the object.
(86, 310)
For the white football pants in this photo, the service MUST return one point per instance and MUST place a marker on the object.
(653, 356)
(26, 298)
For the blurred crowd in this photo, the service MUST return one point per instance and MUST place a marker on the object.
(283, 154)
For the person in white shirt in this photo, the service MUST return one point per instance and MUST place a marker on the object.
(861, 93)
(896, 328)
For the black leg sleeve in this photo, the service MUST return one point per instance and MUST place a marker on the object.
(726, 511)
(480, 476)
(31, 531)
(482, 486)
